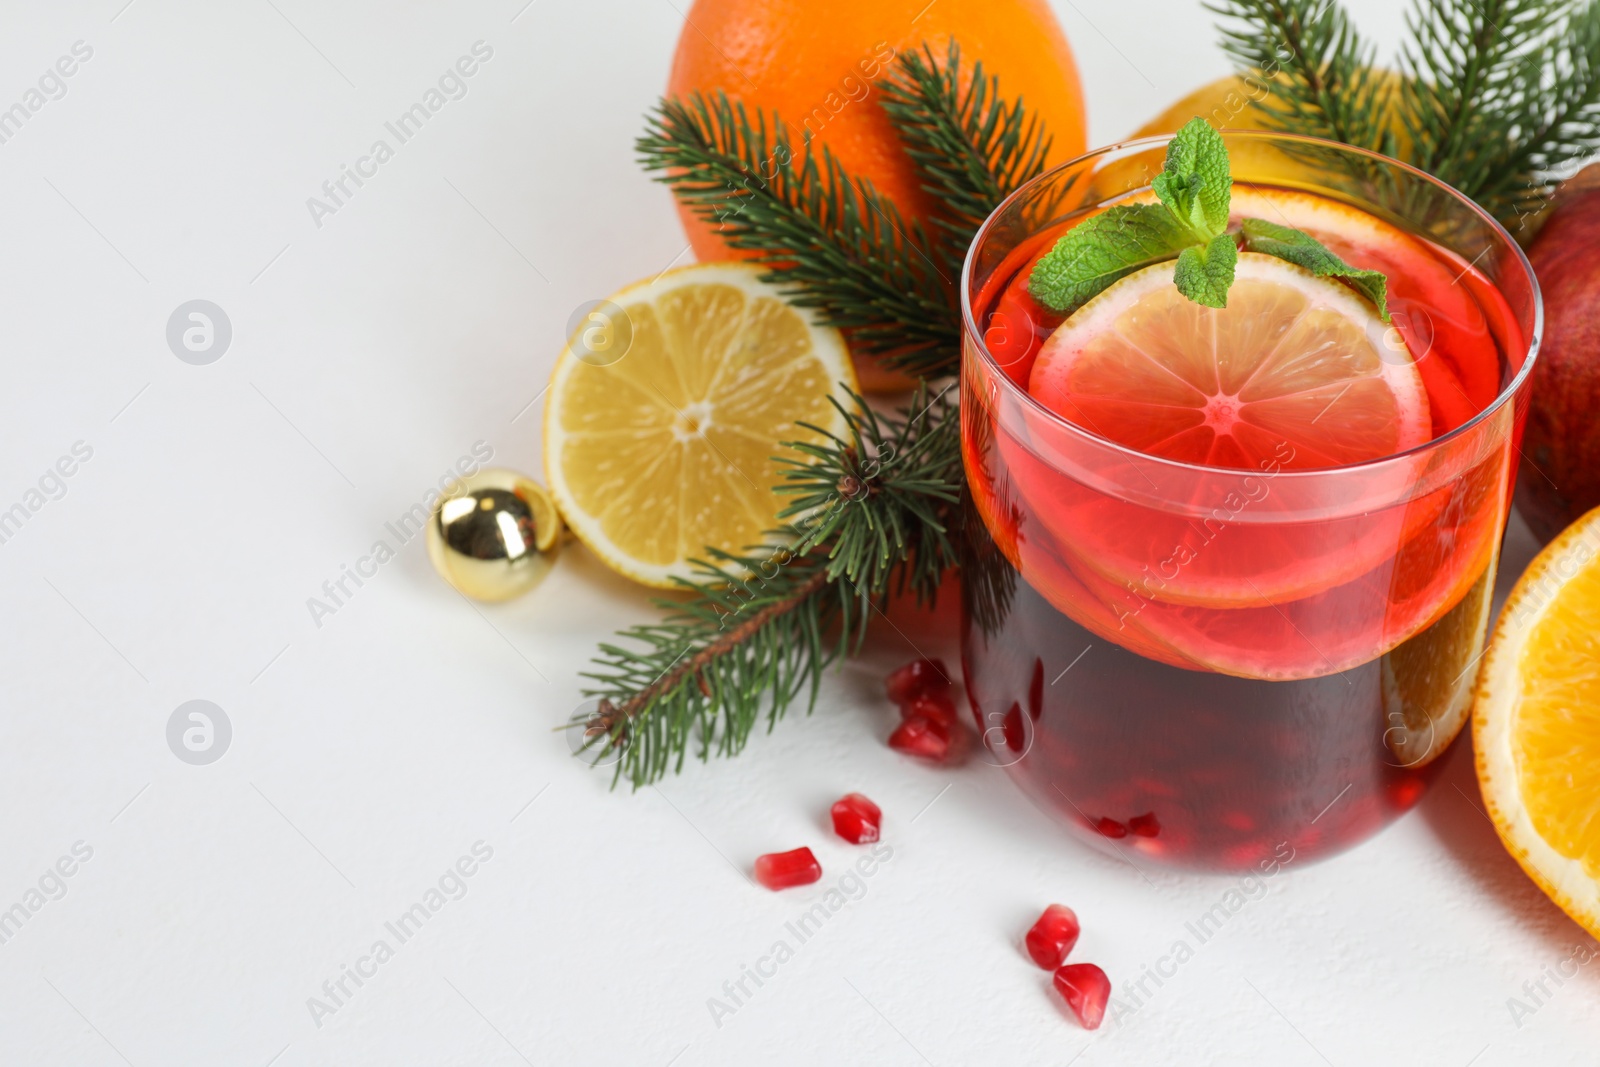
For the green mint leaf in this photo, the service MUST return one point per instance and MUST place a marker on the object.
(1191, 223)
(1102, 249)
(1195, 184)
(1306, 251)
(1181, 196)
(1205, 272)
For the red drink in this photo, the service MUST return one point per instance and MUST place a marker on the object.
(1208, 662)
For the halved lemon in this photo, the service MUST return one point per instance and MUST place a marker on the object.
(1296, 369)
(1536, 722)
(661, 438)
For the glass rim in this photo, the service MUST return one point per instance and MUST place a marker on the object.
(1507, 392)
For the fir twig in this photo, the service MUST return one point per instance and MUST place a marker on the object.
(1524, 105)
(971, 147)
(1495, 97)
(832, 243)
(873, 510)
(872, 515)
(1320, 69)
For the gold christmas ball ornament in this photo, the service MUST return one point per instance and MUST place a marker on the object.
(494, 535)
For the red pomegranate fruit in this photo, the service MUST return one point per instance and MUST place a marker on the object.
(1560, 477)
(918, 736)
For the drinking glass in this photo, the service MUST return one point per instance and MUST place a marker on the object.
(1211, 667)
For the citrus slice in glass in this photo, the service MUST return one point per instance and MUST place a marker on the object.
(1427, 681)
(1536, 722)
(1296, 368)
(1296, 373)
(1432, 305)
(666, 410)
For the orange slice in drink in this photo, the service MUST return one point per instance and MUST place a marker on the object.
(1296, 373)
(1434, 305)
(1428, 680)
(1296, 369)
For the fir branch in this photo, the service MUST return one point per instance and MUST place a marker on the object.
(873, 510)
(1318, 67)
(970, 146)
(872, 515)
(1540, 112)
(832, 243)
(1465, 81)
(1496, 97)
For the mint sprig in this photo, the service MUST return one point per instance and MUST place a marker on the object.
(1205, 272)
(1195, 184)
(1191, 225)
(1101, 249)
(1306, 251)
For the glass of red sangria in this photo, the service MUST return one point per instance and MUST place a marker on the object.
(1229, 570)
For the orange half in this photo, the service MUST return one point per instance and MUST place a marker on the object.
(1536, 722)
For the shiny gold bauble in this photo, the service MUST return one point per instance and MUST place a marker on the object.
(494, 535)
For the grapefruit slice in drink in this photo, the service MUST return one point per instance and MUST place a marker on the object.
(1296, 373)
(1294, 360)
(1430, 300)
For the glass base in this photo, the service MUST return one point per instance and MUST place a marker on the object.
(1200, 770)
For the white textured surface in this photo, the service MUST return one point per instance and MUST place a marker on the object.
(371, 753)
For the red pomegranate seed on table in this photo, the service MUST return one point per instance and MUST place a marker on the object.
(1086, 990)
(1051, 938)
(939, 706)
(856, 819)
(917, 677)
(920, 736)
(783, 870)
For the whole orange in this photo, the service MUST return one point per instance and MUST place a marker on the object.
(817, 62)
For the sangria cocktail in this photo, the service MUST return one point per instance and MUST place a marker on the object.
(1229, 570)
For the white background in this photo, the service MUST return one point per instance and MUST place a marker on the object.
(368, 355)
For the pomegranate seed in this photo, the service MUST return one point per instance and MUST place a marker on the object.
(918, 677)
(919, 736)
(1051, 939)
(1145, 825)
(782, 870)
(856, 819)
(1016, 738)
(1109, 827)
(1404, 793)
(939, 706)
(1086, 989)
